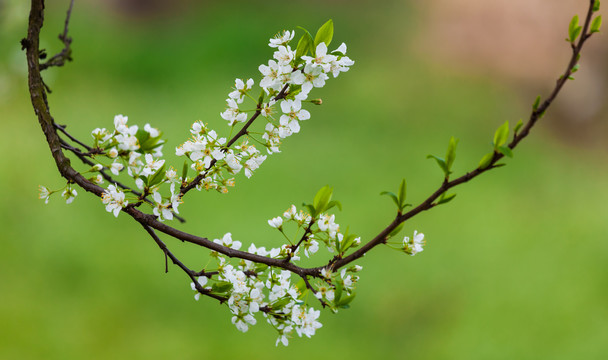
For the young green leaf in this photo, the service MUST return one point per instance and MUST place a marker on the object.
(450, 155)
(505, 150)
(345, 301)
(311, 210)
(221, 286)
(596, 24)
(325, 33)
(444, 199)
(338, 292)
(596, 6)
(395, 231)
(518, 126)
(157, 177)
(441, 164)
(573, 29)
(322, 199)
(393, 196)
(348, 241)
(402, 194)
(279, 304)
(501, 135)
(185, 170)
(304, 45)
(486, 160)
(536, 103)
(334, 203)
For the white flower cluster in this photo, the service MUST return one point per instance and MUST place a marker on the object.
(286, 83)
(287, 80)
(140, 152)
(251, 289)
(209, 155)
(414, 245)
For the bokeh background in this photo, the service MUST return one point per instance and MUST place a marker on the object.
(514, 268)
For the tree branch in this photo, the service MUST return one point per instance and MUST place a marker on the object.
(38, 96)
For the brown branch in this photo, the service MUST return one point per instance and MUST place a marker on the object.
(65, 54)
(535, 115)
(149, 222)
(191, 274)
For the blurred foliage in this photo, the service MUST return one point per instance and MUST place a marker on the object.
(514, 266)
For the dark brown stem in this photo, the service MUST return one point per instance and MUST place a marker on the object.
(191, 274)
(149, 222)
(65, 54)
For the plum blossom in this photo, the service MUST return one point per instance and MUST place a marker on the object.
(281, 39)
(309, 78)
(227, 241)
(306, 321)
(161, 208)
(240, 90)
(69, 194)
(321, 59)
(415, 245)
(114, 199)
(276, 222)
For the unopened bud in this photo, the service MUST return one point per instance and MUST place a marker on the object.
(316, 101)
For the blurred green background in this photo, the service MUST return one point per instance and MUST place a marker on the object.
(514, 268)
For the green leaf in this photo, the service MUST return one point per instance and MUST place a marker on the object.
(348, 240)
(393, 196)
(345, 301)
(157, 177)
(505, 150)
(185, 170)
(395, 231)
(305, 45)
(221, 286)
(261, 97)
(450, 155)
(322, 199)
(279, 304)
(301, 285)
(325, 33)
(572, 29)
(596, 24)
(402, 194)
(444, 199)
(536, 103)
(486, 160)
(596, 6)
(577, 32)
(334, 203)
(337, 292)
(501, 135)
(518, 126)
(311, 210)
(441, 164)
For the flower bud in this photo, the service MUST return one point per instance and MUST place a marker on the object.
(316, 101)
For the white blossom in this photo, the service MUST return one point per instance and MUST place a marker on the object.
(240, 89)
(227, 241)
(321, 59)
(415, 245)
(114, 199)
(69, 194)
(306, 321)
(44, 194)
(276, 222)
(281, 39)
